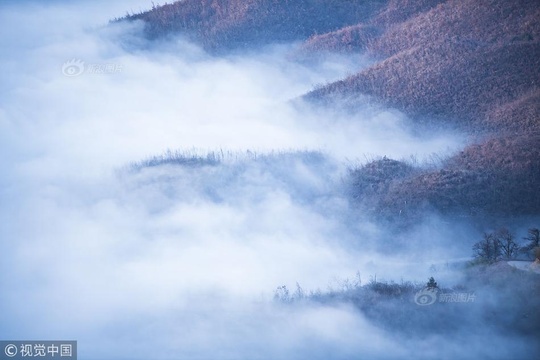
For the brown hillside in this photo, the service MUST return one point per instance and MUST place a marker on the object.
(376, 177)
(227, 24)
(361, 36)
(477, 22)
(498, 177)
(349, 39)
(519, 115)
(398, 11)
(460, 59)
(448, 79)
(474, 63)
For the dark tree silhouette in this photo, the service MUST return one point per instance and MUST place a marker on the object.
(533, 238)
(432, 284)
(507, 244)
(488, 250)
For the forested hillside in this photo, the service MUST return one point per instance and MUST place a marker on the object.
(220, 24)
(470, 64)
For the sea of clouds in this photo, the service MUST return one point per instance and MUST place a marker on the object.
(180, 261)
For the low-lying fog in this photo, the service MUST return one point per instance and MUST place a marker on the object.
(181, 261)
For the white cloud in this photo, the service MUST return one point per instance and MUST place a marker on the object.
(175, 253)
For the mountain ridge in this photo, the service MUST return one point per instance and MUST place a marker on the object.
(220, 25)
(470, 63)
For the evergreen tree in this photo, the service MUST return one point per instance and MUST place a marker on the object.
(432, 284)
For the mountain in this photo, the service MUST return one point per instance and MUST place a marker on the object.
(499, 177)
(472, 64)
(360, 36)
(457, 60)
(229, 24)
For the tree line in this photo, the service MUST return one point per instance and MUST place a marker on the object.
(501, 245)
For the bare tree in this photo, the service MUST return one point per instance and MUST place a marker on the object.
(282, 294)
(487, 250)
(533, 238)
(508, 246)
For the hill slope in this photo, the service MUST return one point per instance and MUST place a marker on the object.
(474, 63)
(229, 24)
(458, 60)
(471, 63)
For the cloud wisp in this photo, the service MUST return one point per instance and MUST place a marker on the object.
(175, 257)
